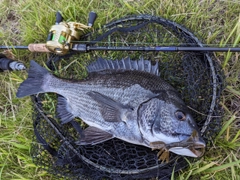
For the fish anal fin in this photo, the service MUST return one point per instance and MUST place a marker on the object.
(111, 110)
(64, 110)
(93, 135)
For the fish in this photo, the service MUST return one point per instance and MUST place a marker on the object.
(124, 99)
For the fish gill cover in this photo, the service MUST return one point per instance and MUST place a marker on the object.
(196, 76)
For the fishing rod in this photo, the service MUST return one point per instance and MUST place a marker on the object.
(63, 36)
(88, 48)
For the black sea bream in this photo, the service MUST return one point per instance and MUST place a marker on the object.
(122, 99)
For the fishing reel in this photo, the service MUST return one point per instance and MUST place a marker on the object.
(62, 34)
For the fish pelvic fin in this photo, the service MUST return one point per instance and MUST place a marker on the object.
(33, 84)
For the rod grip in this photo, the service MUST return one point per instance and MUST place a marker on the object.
(38, 48)
(9, 64)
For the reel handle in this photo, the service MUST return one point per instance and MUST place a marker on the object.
(59, 17)
(91, 18)
(38, 48)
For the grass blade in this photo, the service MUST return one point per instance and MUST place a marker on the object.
(226, 126)
(204, 168)
(223, 167)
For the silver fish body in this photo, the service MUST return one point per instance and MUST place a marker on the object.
(124, 99)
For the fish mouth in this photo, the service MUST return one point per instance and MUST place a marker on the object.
(198, 147)
(194, 146)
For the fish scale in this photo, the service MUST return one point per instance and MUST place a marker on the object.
(136, 93)
(127, 78)
(87, 107)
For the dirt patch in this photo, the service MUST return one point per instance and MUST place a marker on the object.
(10, 27)
(11, 16)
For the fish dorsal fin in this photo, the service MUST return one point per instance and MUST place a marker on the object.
(123, 64)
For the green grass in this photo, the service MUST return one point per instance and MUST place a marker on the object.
(22, 22)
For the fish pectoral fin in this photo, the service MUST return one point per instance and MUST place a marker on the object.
(111, 110)
(93, 135)
(64, 110)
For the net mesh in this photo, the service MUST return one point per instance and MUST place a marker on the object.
(196, 76)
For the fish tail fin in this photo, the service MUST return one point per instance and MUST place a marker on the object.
(33, 84)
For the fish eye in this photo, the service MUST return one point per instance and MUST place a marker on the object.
(180, 115)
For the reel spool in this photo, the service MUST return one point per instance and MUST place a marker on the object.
(196, 76)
